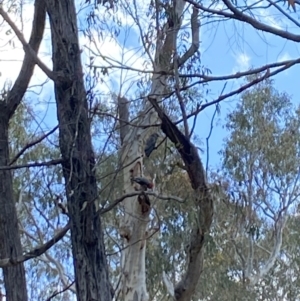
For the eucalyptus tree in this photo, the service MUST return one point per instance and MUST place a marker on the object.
(261, 176)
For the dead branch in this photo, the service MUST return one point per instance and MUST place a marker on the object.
(61, 291)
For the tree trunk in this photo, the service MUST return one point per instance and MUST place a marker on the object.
(133, 227)
(10, 243)
(91, 271)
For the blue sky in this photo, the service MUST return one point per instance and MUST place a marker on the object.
(226, 48)
(231, 47)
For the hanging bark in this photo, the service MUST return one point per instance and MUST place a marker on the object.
(185, 288)
(91, 271)
(133, 228)
(10, 243)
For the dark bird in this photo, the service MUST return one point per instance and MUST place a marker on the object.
(144, 182)
(150, 144)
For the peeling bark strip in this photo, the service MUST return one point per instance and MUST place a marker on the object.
(91, 271)
(203, 201)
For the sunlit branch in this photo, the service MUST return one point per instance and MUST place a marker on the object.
(195, 25)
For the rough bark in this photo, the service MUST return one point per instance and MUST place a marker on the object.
(10, 243)
(91, 271)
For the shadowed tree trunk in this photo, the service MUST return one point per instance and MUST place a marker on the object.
(91, 271)
(10, 243)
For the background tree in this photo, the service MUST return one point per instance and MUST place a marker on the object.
(256, 198)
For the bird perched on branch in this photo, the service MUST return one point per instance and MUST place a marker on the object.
(150, 144)
(143, 182)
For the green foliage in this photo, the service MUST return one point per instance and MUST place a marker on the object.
(36, 190)
(258, 186)
(264, 135)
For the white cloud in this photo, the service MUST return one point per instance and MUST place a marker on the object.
(242, 62)
(109, 52)
(11, 50)
(268, 19)
(284, 57)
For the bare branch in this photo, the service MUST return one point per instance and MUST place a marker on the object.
(180, 98)
(18, 90)
(27, 46)
(124, 116)
(238, 15)
(208, 137)
(287, 15)
(35, 164)
(37, 251)
(129, 195)
(195, 38)
(241, 89)
(61, 291)
(207, 78)
(31, 144)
